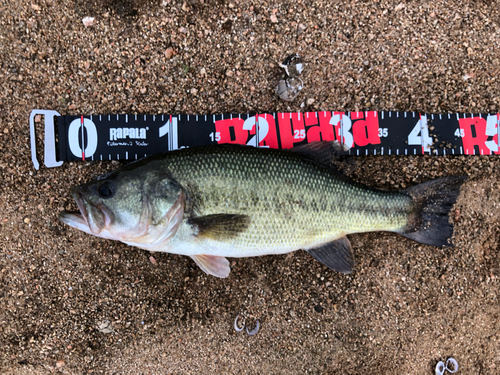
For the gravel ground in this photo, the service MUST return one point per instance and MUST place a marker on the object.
(73, 303)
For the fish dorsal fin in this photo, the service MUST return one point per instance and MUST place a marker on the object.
(213, 265)
(220, 226)
(322, 150)
(336, 255)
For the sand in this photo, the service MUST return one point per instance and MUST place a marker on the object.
(75, 304)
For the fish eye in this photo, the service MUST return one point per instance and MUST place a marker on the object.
(106, 190)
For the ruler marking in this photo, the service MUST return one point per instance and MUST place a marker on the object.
(83, 137)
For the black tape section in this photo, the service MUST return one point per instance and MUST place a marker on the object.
(130, 137)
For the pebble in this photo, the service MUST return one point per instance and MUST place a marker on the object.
(169, 52)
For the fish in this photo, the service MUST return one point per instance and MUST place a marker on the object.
(220, 201)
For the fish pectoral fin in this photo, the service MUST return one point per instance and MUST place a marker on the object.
(220, 226)
(336, 255)
(213, 265)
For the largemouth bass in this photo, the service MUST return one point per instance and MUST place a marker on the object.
(234, 201)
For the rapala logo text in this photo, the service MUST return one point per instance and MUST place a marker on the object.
(131, 133)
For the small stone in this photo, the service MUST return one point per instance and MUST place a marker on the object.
(185, 7)
(38, 118)
(310, 101)
(88, 21)
(169, 52)
(203, 72)
(143, 90)
(183, 30)
(399, 7)
(60, 364)
(36, 7)
(194, 91)
(86, 64)
(273, 18)
(152, 259)
(27, 220)
(105, 327)
(229, 73)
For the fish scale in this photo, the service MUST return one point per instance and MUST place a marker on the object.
(233, 201)
(292, 202)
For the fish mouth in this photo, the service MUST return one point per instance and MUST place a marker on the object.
(90, 219)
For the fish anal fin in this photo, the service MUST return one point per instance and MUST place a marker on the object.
(213, 265)
(220, 226)
(336, 255)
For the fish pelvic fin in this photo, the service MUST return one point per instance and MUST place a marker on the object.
(336, 255)
(429, 223)
(213, 265)
(220, 226)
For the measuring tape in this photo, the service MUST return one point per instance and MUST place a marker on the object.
(131, 137)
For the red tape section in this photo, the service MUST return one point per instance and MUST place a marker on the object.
(129, 137)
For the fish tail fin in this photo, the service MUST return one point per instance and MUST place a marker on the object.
(429, 223)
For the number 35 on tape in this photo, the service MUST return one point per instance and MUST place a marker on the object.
(130, 137)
